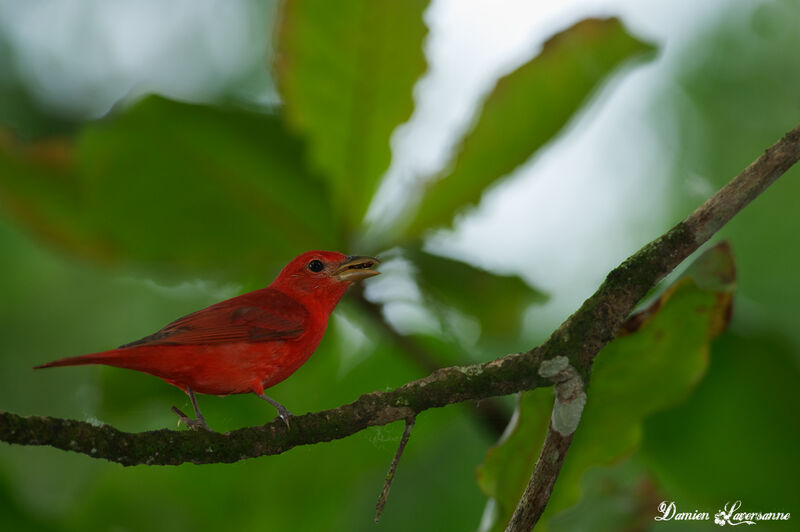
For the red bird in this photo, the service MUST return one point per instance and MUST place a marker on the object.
(247, 343)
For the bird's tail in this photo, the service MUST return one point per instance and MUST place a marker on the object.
(146, 359)
(109, 358)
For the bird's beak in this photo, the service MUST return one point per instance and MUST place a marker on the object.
(356, 268)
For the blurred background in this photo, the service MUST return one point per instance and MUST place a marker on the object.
(156, 157)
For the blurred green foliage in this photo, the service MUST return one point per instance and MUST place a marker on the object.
(111, 228)
(450, 284)
(150, 172)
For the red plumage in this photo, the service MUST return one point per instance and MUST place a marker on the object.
(247, 343)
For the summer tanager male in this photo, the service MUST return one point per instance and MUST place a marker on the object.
(247, 343)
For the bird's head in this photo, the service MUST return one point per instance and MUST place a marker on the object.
(323, 276)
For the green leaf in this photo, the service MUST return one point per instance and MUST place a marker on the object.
(497, 301)
(525, 110)
(749, 397)
(173, 184)
(346, 71)
(636, 375)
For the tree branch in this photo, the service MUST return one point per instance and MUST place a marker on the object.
(445, 386)
(570, 399)
(579, 339)
(700, 226)
(489, 413)
(537, 493)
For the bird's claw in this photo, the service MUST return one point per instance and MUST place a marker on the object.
(284, 415)
(191, 424)
(283, 412)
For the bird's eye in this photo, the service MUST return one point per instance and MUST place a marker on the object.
(316, 265)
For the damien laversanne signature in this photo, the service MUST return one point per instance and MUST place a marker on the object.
(728, 515)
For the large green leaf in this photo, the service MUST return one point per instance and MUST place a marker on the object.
(173, 184)
(526, 109)
(655, 362)
(751, 397)
(346, 72)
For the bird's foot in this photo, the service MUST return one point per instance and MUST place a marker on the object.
(283, 412)
(191, 424)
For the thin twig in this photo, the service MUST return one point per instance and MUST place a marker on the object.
(579, 339)
(179, 412)
(387, 483)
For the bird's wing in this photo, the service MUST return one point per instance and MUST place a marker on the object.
(259, 316)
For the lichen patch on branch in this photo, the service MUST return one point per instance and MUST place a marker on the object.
(569, 391)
